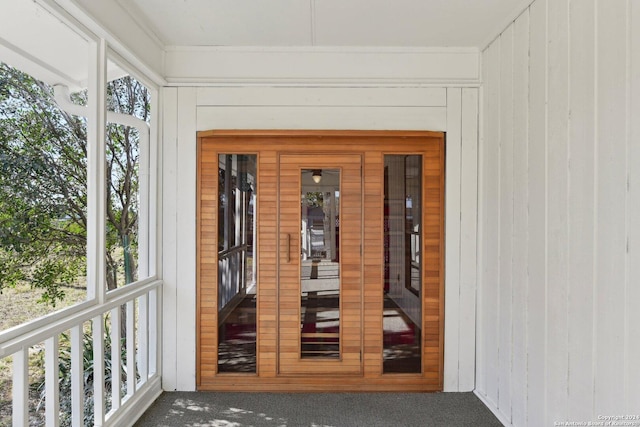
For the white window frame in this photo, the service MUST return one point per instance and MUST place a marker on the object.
(99, 53)
(149, 215)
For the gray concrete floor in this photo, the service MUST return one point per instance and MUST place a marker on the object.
(203, 409)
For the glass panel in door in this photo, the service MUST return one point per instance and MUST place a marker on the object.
(402, 320)
(237, 191)
(320, 264)
(320, 226)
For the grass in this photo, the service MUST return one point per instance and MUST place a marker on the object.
(17, 306)
(21, 304)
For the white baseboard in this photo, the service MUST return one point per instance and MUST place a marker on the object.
(493, 408)
(134, 408)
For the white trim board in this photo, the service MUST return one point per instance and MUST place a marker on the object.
(454, 110)
(321, 66)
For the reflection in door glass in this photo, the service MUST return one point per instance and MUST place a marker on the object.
(237, 190)
(403, 263)
(320, 264)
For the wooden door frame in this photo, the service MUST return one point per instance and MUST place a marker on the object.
(373, 145)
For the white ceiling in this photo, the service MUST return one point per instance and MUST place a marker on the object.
(374, 23)
(61, 55)
(46, 57)
(38, 43)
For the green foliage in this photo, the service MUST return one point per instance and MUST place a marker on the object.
(314, 199)
(42, 187)
(10, 272)
(48, 273)
(88, 369)
(43, 184)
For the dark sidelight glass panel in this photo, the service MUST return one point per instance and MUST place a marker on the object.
(402, 349)
(237, 190)
(320, 264)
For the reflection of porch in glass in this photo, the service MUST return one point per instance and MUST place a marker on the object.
(237, 338)
(403, 264)
(320, 309)
(401, 340)
(320, 323)
(320, 211)
(237, 189)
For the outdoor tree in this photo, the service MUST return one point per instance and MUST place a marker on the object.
(43, 185)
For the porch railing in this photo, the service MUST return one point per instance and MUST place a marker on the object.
(231, 274)
(125, 379)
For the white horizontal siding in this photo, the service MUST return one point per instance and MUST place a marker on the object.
(557, 340)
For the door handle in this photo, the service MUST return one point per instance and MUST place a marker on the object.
(288, 247)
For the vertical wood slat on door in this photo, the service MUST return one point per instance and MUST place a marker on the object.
(433, 301)
(267, 291)
(373, 269)
(207, 278)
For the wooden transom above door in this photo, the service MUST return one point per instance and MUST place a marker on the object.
(320, 260)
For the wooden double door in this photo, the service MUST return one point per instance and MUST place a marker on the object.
(320, 261)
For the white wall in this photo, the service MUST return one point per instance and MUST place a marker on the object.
(190, 109)
(559, 235)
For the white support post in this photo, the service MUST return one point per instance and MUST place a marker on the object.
(155, 187)
(143, 337)
(131, 348)
(116, 319)
(77, 377)
(154, 336)
(98, 371)
(96, 171)
(144, 195)
(185, 305)
(21, 388)
(51, 369)
(452, 233)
